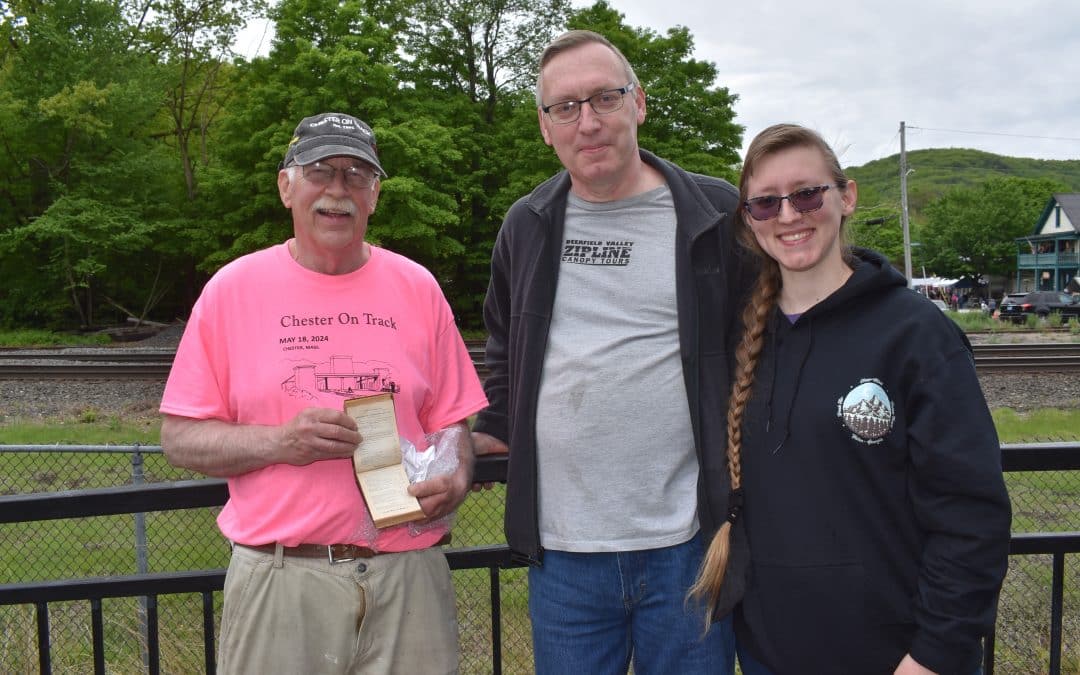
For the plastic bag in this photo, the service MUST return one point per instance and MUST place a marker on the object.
(440, 458)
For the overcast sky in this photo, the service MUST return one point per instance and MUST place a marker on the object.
(1001, 76)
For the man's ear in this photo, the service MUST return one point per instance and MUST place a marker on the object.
(543, 126)
(284, 186)
(376, 188)
(639, 104)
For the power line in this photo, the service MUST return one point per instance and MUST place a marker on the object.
(995, 133)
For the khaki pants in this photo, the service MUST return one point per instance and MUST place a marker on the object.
(393, 613)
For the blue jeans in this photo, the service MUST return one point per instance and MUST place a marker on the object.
(595, 612)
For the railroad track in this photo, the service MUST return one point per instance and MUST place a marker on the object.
(154, 364)
(1047, 357)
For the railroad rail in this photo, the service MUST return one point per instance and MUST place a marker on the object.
(153, 364)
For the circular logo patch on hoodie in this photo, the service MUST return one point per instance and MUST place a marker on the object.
(867, 411)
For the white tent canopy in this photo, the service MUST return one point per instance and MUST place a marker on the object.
(934, 282)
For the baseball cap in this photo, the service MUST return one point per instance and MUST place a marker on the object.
(332, 135)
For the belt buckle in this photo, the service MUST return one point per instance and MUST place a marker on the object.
(335, 559)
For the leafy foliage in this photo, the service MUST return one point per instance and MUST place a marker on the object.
(138, 154)
(971, 231)
(965, 207)
(92, 192)
(937, 171)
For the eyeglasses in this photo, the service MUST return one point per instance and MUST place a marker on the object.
(803, 200)
(324, 174)
(602, 103)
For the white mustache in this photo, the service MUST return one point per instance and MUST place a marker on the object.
(324, 203)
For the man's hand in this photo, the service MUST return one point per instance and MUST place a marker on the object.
(222, 449)
(910, 666)
(441, 495)
(316, 434)
(486, 444)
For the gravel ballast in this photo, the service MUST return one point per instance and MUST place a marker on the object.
(138, 399)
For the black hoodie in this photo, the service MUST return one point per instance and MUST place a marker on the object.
(876, 510)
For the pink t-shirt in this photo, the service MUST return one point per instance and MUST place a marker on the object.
(269, 338)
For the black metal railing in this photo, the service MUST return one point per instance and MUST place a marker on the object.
(1043, 457)
(133, 499)
(188, 494)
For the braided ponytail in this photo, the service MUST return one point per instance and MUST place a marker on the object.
(754, 318)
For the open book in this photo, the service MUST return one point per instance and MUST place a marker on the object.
(377, 461)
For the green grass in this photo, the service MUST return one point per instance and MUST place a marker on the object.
(91, 428)
(1047, 424)
(983, 323)
(179, 540)
(30, 338)
(88, 428)
(1043, 501)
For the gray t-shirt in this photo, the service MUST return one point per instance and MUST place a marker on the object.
(616, 462)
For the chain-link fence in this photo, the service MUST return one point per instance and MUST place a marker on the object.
(169, 541)
(189, 540)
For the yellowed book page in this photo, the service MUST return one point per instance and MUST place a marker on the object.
(386, 493)
(377, 462)
(380, 445)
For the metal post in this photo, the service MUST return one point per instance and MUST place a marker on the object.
(1057, 594)
(496, 620)
(904, 206)
(141, 564)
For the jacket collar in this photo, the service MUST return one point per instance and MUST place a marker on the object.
(694, 213)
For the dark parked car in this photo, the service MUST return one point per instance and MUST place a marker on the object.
(1041, 304)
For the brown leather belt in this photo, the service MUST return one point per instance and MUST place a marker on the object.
(335, 553)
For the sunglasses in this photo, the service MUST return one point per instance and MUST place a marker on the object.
(804, 200)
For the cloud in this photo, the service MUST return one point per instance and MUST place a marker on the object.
(994, 75)
(990, 75)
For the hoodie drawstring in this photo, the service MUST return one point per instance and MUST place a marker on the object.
(795, 388)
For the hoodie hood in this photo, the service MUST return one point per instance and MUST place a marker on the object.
(871, 275)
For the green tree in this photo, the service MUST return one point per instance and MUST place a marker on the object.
(193, 40)
(106, 106)
(326, 56)
(483, 49)
(972, 231)
(137, 156)
(470, 61)
(876, 224)
(77, 101)
(435, 81)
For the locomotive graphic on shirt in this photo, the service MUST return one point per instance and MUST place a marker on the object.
(340, 376)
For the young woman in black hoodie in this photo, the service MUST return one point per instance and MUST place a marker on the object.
(870, 488)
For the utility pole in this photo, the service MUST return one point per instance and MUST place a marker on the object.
(903, 206)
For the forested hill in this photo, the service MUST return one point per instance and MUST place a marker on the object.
(935, 171)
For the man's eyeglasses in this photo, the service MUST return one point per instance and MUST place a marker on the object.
(323, 174)
(803, 200)
(602, 103)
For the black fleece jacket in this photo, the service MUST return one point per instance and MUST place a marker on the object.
(712, 277)
(876, 511)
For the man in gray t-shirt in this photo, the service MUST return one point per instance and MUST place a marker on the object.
(608, 309)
